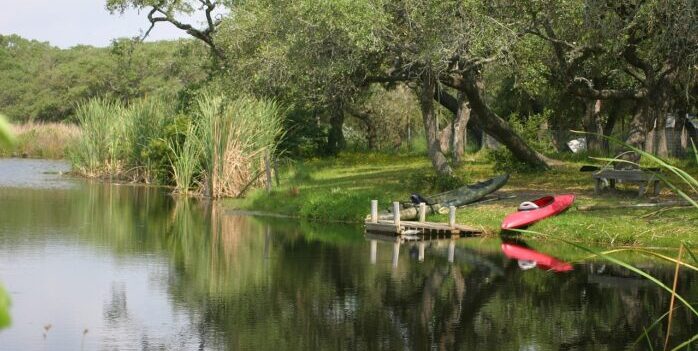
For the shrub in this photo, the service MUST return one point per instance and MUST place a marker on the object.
(504, 161)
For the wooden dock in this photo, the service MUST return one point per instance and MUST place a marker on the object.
(421, 227)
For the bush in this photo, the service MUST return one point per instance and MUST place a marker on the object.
(504, 161)
(531, 129)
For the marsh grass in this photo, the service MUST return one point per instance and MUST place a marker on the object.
(185, 160)
(236, 136)
(100, 149)
(40, 140)
(215, 151)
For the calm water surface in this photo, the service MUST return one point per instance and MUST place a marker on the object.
(115, 267)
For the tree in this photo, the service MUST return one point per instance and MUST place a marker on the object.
(171, 11)
(620, 50)
(311, 55)
(450, 43)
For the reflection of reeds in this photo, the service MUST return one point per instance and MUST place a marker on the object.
(238, 248)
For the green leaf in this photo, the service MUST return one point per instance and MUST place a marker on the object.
(4, 308)
(6, 136)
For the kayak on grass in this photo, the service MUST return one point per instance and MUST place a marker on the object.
(529, 258)
(456, 197)
(533, 211)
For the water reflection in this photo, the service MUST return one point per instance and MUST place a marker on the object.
(527, 258)
(142, 270)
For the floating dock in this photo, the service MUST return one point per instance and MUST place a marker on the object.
(418, 228)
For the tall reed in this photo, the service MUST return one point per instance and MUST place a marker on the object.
(220, 148)
(186, 159)
(236, 135)
(100, 149)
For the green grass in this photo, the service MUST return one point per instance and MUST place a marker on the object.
(40, 140)
(341, 189)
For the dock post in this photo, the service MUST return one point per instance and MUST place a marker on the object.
(374, 211)
(451, 250)
(396, 215)
(422, 212)
(452, 216)
(421, 251)
(374, 251)
(396, 253)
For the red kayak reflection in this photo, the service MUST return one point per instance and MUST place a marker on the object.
(529, 258)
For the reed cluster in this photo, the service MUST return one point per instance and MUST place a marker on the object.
(40, 140)
(216, 149)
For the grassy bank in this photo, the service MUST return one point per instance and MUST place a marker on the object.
(340, 190)
(41, 140)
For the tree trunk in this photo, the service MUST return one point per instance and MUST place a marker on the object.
(637, 132)
(445, 138)
(608, 127)
(592, 124)
(426, 103)
(335, 137)
(497, 127)
(460, 124)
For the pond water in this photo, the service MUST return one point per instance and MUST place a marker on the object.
(93, 266)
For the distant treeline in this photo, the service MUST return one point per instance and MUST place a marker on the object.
(39, 82)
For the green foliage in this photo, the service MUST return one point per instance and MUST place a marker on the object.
(504, 161)
(303, 136)
(4, 308)
(431, 182)
(533, 129)
(43, 83)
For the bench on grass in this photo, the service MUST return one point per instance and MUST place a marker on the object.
(609, 176)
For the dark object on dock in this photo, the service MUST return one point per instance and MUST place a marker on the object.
(609, 177)
(416, 199)
(456, 197)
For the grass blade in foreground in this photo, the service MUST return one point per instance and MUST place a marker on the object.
(618, 262)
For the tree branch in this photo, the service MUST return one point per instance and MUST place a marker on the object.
(158, 14)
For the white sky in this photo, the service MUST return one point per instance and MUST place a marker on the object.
(66, 23)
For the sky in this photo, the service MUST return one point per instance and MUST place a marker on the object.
(66, 23)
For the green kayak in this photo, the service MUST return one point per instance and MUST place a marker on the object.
(456, 197)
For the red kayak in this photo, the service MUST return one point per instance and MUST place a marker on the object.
(527, 256)
(533, 211)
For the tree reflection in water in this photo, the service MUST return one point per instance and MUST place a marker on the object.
(278, 284)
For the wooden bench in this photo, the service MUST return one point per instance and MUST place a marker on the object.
(641, 177)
